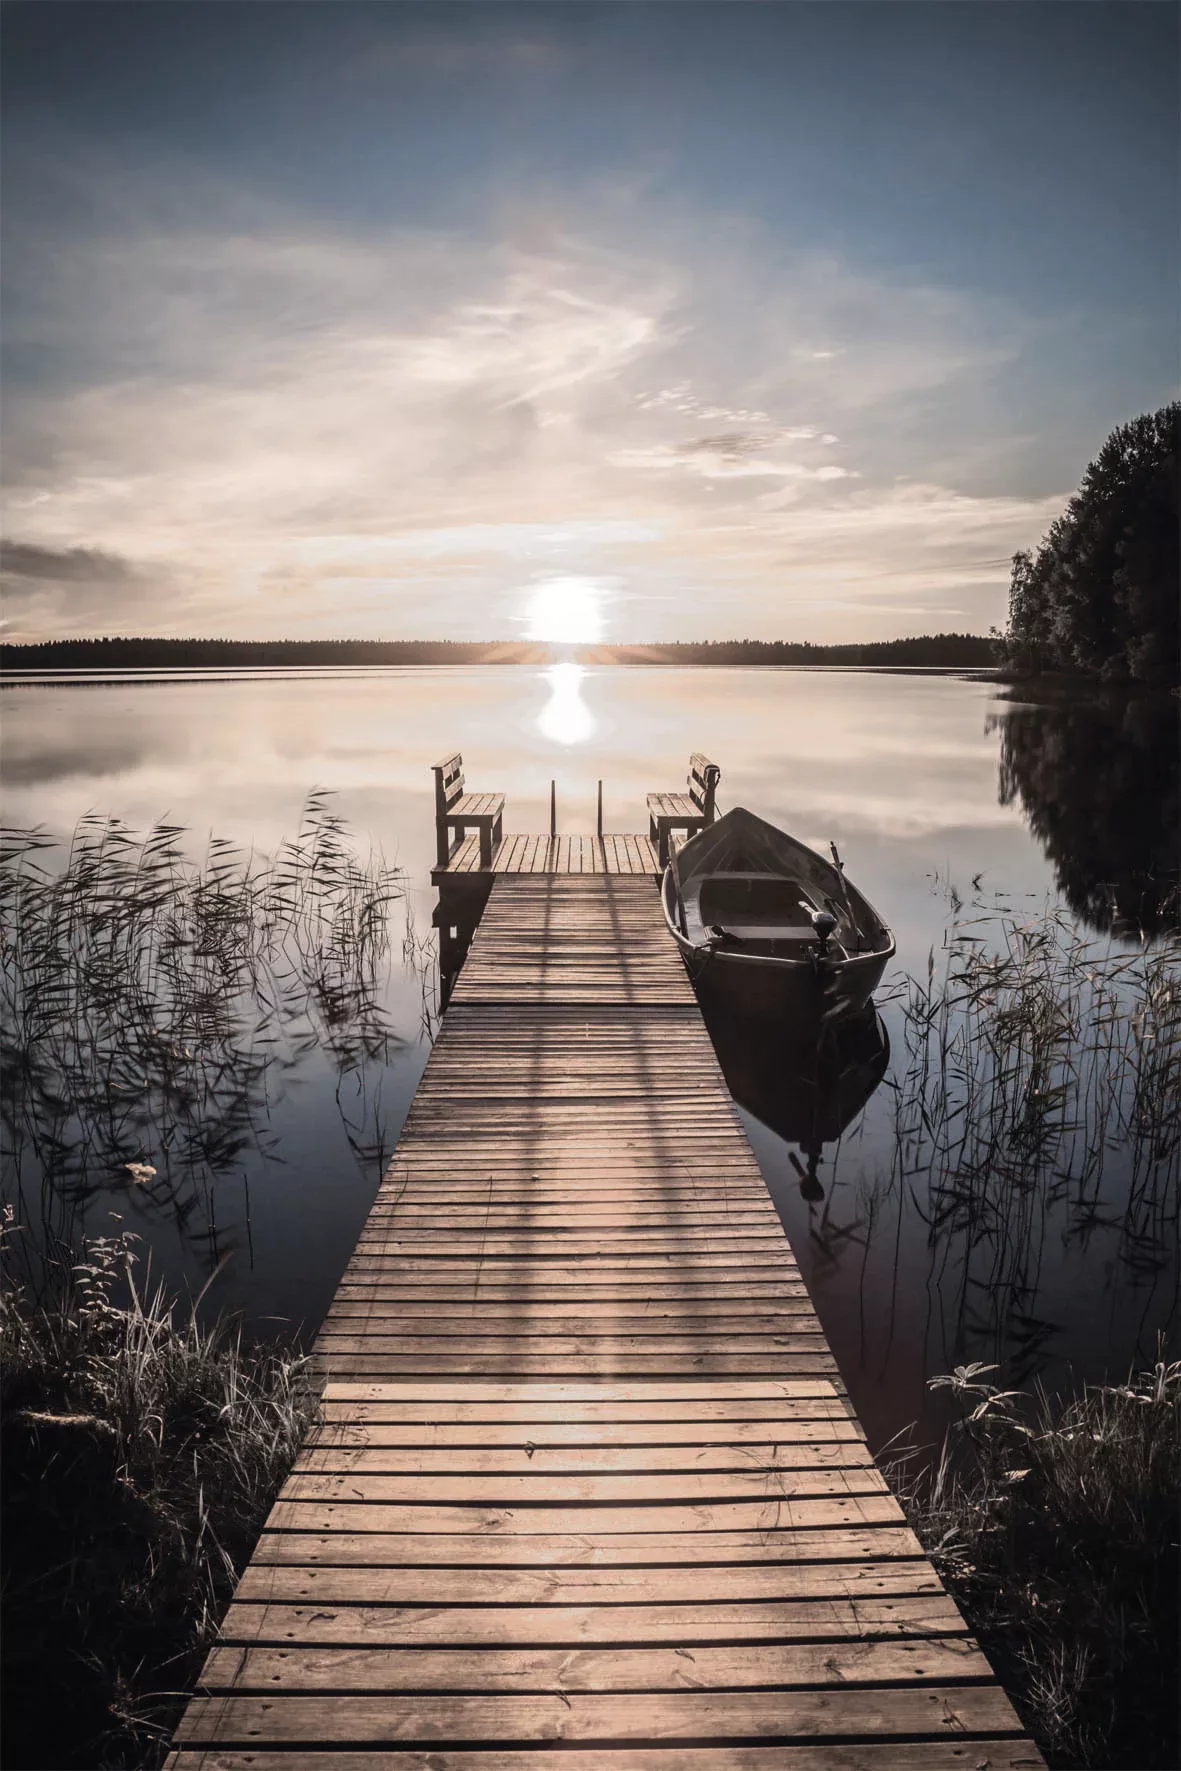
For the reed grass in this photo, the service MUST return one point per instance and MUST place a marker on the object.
(1034, 1083)
(150, 1006)
(140, 1455)
(1054, 1521)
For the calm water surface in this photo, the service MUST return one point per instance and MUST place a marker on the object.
(938, 791)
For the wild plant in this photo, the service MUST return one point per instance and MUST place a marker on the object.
(1054, 1520)
(1035, 1081)
(141, 1452)
(150, 1006)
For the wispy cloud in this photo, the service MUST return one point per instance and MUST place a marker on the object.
(302, 429)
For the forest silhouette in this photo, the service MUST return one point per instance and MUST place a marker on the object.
(1100, 596)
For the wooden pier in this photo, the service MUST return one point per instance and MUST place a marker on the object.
(587, 1492)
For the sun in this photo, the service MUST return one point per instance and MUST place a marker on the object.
(566, 611)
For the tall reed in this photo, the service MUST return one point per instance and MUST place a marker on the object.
(1034, 1084)
(150, 1005)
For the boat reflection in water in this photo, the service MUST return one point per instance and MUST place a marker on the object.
(806, 1080)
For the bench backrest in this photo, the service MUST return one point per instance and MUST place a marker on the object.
(448, 783)
(703, 784)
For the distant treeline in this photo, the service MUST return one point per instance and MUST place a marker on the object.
(949, 651)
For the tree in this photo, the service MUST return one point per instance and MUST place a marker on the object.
(1101, 594)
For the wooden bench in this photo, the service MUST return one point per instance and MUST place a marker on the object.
(461, 812)
(688, 812)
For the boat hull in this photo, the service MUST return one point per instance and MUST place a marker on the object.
(772, 986)
(775, 989)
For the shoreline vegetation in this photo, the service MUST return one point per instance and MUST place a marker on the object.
(141, 1452)
(1053, 1522)
(940, 651)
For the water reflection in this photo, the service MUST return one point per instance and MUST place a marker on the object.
(806, 1081)
(1067, 1256)
(566, 718)
(1097, 776)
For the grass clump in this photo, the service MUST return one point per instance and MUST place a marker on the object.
(140, 1454)
(1055, 1524)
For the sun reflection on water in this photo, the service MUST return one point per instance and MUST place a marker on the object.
(566, 718)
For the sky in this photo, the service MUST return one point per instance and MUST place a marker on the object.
(590, 322)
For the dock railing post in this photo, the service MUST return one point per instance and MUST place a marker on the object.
(553, 810)
(599, 817)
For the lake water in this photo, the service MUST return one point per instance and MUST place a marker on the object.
(945, 796)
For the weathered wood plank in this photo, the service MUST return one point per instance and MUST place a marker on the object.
(940, 1712)
(440, 1394)
(566, 1489)
(995, 1753)
(456, 1626)
(297, 1667)
(599, 1521)
(393, 1366)
(359, 1450)
(655, 1444)
(657, 1417)
(759, 1316)
(276, 1576)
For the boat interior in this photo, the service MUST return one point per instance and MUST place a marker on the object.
(769, 914)
(756, 904)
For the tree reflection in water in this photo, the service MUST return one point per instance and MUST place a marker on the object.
(1097, 773)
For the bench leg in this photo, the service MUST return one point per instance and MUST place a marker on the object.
(486, 845)
(662, 844)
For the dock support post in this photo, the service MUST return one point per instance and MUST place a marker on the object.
(599, 817)
(553, 810)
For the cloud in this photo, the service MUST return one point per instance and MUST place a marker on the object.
(72, 589)
(69, 565)
(259, 424)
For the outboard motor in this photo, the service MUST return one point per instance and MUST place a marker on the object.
(823, 923)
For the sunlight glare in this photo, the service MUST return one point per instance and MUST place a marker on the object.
(566, 611)
(566, 718)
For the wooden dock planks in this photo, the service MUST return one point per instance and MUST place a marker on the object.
(628, 855)
(586, 1491)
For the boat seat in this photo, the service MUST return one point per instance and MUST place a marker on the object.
(684, 812)
(458, 811)
(754, 900)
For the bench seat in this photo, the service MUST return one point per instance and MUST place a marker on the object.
(460, 812)
(470, 808)
(684, 814)
(483, 812)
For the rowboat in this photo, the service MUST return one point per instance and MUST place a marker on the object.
(768, 926)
